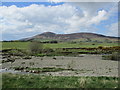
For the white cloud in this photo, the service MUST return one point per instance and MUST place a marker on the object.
(29, 17)
(39, 18)
(112, 29)
(102, 15)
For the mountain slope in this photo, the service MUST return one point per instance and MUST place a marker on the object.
(71, 37)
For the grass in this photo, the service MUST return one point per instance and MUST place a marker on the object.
(114, 56)
(23, 49)
(78, 45)
(37, 81)
(14, 45)
(25, 45)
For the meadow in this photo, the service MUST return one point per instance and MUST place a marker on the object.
(62, 48)
(36, 81)
(25, 45)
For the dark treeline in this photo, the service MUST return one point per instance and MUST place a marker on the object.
(54, 41)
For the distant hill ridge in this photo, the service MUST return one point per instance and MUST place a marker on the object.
(70, 37)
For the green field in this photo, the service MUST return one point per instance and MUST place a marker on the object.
(37, 81)
(18, 45)
(25, 45)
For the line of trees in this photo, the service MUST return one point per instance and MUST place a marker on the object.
(54, 41)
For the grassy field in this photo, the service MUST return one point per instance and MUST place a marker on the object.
(18, 45)
(25, 45)
(37, 81)
(79, 45)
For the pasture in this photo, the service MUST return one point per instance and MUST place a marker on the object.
(25, 45)
(37, 81)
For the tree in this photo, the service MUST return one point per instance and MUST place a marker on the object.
(36, 47)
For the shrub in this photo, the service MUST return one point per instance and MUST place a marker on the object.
(47, 50)
(114, 56)
(100, 47)
(35, 47)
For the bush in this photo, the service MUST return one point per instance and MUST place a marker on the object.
(47, 50)
(36, 47)
(100, 47)
(114, 56)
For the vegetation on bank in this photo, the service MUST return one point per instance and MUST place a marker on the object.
(37, 81)
(26, 50)
(114, 56)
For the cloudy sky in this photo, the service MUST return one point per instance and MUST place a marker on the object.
(24, 19)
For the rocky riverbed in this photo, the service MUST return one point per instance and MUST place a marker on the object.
(84, 65)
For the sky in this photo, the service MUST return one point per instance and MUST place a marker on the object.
(25, 19)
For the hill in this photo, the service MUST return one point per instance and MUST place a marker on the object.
(70, 37)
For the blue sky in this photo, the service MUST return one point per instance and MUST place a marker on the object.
(24, 4)
(26, 19)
